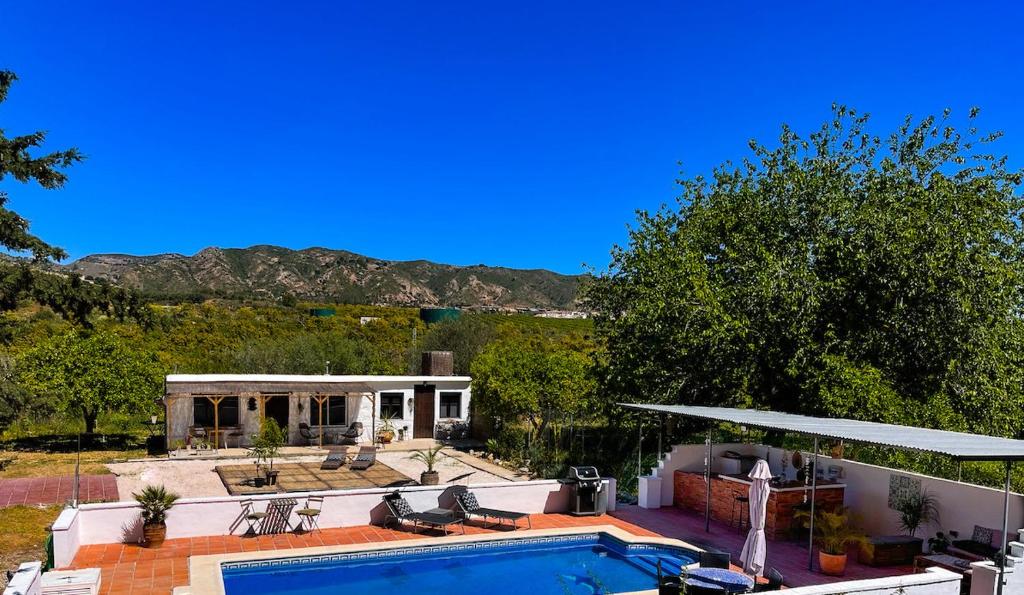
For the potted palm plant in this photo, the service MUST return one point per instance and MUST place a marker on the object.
(386, 432)
(428, 457)
(917, 509)
(834, 532)
(155, 502)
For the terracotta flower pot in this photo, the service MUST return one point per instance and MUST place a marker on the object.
(429, 478)
(153, 535)
(832, 564)
(386, 437)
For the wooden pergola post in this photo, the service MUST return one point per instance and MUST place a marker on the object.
(320, 407)
(216, 419)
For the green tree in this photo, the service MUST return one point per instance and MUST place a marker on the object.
(533, 379)
(68, 295)
(90, 372)
(837, 274)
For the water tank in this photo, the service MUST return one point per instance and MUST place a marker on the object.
(321, 312)
(432, 315)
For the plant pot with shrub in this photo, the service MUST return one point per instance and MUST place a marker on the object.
(430, 458)
(155, 502)
(834, 533)
(386, 432)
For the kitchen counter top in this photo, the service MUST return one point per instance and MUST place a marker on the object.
(789, 486)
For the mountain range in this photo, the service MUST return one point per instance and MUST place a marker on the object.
(324, 275)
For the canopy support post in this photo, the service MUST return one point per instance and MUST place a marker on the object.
(661, 427)
(814, 492)
(1002, 544)
(639, 450)
(959, 470)
(707, 485)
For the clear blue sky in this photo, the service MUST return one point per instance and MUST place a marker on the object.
(518, 133)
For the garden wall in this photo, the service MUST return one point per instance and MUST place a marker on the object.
(118, 522)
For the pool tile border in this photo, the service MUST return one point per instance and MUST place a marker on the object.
(207, 578)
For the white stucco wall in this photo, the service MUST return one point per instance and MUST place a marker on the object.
(933, 581)
(358, 408)
(118, 522)
(961, 505)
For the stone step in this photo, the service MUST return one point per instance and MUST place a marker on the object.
(1016, 549)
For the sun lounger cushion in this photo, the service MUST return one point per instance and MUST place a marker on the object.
(333, 461)
(402, 507)
(469, 501)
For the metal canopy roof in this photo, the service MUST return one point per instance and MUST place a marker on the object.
(968, 447)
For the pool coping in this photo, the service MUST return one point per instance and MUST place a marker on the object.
(205, 571)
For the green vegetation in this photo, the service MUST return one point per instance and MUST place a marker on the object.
(25, 531)
(267, 443)
(841, 274)
(88, 373)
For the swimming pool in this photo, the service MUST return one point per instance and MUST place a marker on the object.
(578, 564)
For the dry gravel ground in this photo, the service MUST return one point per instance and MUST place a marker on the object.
(196, 478)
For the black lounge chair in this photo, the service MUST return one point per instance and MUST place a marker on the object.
(469, 506)
(400, 511)
(334, 460)
(354, 431)
(715, 560)
(365, 459)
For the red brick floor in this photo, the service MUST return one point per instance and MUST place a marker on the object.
(57, 490)
(130, 569)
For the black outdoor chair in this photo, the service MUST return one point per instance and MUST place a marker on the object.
(715, 560)
(306, 433)
(469, 506)
(774, 582)
(365, 459)
(400, 511)
(352, 434)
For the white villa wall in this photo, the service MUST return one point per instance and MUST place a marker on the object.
(961, 505)
(358, 408)
(119, 522)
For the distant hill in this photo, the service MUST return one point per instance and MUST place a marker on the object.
(326, 275)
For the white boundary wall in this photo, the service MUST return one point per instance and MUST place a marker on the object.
(934, 581)
(961, 505)
(119, 522)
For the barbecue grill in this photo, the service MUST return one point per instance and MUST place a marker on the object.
(588, 494)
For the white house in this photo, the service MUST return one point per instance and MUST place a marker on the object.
(233, 405)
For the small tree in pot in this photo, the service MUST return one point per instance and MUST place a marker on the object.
(834, 533)
(265, 447)
(155, 502)
(428, 457)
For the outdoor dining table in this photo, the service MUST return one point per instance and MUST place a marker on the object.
(279, 511)
(719, 579)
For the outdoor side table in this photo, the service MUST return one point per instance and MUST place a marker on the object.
(719, 579)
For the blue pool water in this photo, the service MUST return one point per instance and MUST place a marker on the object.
(567, 565)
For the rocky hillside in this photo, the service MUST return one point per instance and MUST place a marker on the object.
(330, 276)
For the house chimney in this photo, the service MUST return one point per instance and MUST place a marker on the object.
(438, 363)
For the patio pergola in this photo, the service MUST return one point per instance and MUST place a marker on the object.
(956, 445)
(262, 388)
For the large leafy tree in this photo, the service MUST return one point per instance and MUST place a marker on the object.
(536, 379)
(91, 372)
(68, 295)
(838, 274)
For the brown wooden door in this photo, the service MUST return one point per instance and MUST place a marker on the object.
(423, 412)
